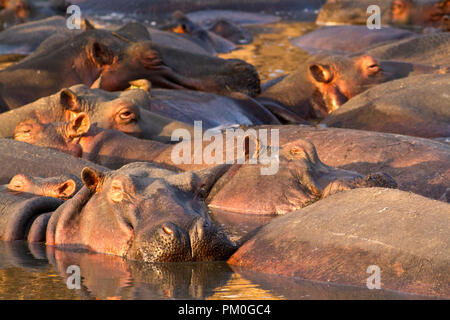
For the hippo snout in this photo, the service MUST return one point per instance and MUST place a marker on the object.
(164, 243)
(209, 242)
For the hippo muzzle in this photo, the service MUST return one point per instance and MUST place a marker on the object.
(170, 242)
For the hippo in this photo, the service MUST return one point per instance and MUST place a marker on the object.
(109, 60)
(344, 238)
(148, 281)
(149, 214)
(297, 167)
(416, 106)
(13, 12)
(212, 42)
(241, 18)
(63, 187)
(22, 158)
(432, 48)
(213, 110)
(125, 111)
(418, 165)
(322, 84)
(336, 12)
(348, 39)
(26, 37)
(426, 13)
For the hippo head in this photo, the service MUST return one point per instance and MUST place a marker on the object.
(424, 13)
(140, 212)
(337, 79)
(335, 12)
(301, 180)
(109, 110)
(129, 54)
(62, 187)
(21, 8)
(62, 136)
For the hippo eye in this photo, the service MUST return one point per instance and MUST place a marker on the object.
(126, 115)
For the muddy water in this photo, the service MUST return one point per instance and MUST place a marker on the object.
(271, 51)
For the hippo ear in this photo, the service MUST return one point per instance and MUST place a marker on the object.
(79, 126)
(101, 55)
(69, 100)
(66, 189)
(19, 182)
(92, 179)
(320, 73)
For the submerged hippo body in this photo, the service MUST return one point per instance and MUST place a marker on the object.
(110, 60)
(425, 13)
(335, 12)
(422, 13)
(149, 214)
(417, 106)
(125, 111)
(337, 240)
(433, 48)
(213, 110)
(22, 158)
(418, 165)
(347, 39)
(323, 83)
(297, 169)
(26, 37)
(211, 42)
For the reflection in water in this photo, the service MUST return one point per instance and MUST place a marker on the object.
(39, 272)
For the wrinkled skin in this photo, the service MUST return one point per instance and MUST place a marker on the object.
(299, 169)
(213, 43)
(430, 48)
(125, 111)
(63, 187)
(149, 281)
(323, 83)
(109, 61)
(148, 214)
(347, 39)
(416, 106)
(418, 165)
(155, 215)
(336, 239)
(22, 158)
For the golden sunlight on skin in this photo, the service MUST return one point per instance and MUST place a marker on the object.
(239, 288)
